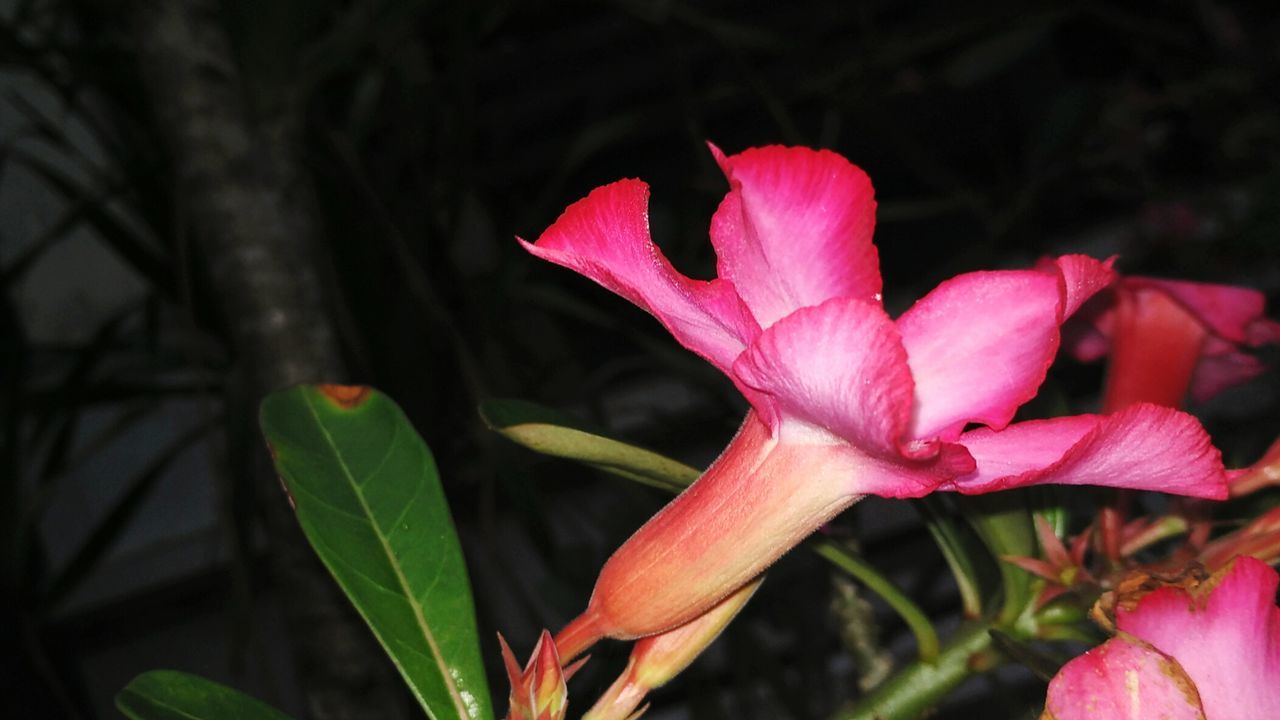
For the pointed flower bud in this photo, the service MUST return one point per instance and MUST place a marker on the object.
(538, 692)
(656, 659)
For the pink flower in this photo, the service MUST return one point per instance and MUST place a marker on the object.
(1210, 653)
(1166, 337)
(845, 400)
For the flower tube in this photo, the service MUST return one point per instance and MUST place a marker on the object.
(845, 400)
(1167, 338)
(656, 659)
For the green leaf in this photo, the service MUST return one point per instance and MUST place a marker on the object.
(553, 433)
(958, 549)
(172, 695)
(1004, 523)
(367, 494)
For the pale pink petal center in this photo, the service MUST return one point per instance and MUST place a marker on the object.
(839, 366)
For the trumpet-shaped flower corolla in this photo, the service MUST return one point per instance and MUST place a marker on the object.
(845, 400)
(1167, 337)
(1210, 652)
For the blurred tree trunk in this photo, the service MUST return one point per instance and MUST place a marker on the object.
(247, 199)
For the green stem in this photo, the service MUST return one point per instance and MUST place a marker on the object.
(917, 687)
(915, 618)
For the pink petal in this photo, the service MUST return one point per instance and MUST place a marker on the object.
(1263, 331)
(1082, 278)
(1143, 447)
(795, 230)
(1122, 680)
(919, 472)
(1222, 365)
(839, 366)
(979, 346)
(605, 236)
(1226, 310)
(1155, 348)
(1229, 642)
(1087, 336)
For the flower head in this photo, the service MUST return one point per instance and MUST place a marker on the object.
(845, 400)
(1165, 338)
(1208, 650)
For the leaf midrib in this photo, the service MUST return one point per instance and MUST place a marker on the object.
(423, 626)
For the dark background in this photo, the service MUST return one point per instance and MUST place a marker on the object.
(397, 146)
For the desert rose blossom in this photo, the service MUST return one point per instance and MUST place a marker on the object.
(1206, 651)
(845, 400)
(1165, 338)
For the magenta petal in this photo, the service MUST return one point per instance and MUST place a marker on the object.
(605, 236)
(1226, 310)
(839, 366)
(1143, 447)
(979, 346)
(1229, 642)
(1222, 365)
(1082, 278)
(1122, 680)
(795, 230)
(904, 477)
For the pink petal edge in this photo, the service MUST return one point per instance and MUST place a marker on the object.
(795, 230)
(1227, 310)
(1122, 679)
(605, 236)
(979, 346)
(1143, 447)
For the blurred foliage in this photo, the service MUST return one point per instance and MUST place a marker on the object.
(436, 130)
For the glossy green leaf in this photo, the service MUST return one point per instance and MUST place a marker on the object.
(553, 433)
(369, 499)
(172, 695)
